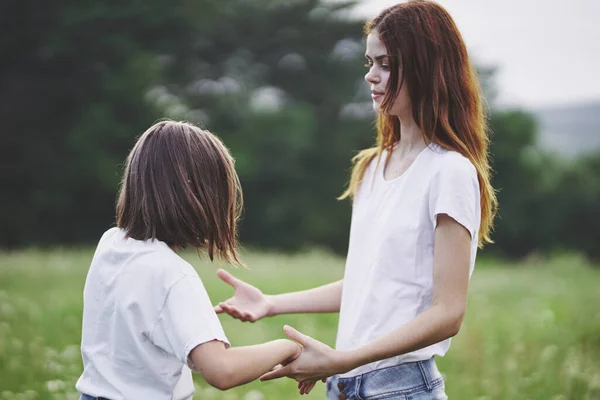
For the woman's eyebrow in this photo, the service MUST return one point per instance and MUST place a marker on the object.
(379, 58)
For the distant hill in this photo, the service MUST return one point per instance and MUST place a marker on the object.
(571, 129)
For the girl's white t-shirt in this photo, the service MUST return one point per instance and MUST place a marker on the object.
(388, 278)
(144, 310)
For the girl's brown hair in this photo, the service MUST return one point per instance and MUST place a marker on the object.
(180, 186)
(447, 103)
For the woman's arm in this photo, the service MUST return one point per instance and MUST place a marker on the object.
(225, 368)
(322, 299)
(441, 321)
(250, 304)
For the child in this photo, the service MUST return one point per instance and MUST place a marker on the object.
(146, 312)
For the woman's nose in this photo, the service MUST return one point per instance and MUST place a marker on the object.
(371, 76)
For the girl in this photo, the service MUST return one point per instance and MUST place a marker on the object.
(146, 313)
(422, 203)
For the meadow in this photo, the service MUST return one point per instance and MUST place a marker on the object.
(532, 329)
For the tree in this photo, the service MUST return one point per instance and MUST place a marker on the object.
(279, 85)
(73, 81)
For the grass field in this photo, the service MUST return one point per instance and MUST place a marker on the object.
(532, 331)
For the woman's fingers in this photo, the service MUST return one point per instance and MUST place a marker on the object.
(228, 278)
(248, 317)
(276, 374)
(235, 312)
(297, 335)
(231, 310)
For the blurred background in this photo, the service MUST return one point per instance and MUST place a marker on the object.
(281, 82)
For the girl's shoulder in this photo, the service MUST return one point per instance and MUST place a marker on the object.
(108, 234)
(151, 259)
(168, 266)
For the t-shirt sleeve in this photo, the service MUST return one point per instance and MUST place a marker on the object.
(455, 192)
(187, 319)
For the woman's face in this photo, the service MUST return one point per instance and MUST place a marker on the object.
(379, 75)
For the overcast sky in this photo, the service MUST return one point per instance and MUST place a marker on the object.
(547, 51)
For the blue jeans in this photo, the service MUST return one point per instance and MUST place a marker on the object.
(86, 397)
(419, 380)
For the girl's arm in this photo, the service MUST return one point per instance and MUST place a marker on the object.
(250, 304)
(441, 321)
(225, 368)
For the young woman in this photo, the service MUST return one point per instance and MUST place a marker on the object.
(146, 313)
(422, 204)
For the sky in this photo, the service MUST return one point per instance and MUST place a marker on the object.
(547, 51)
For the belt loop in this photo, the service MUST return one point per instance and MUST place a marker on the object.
(357, 388)
(423, 366)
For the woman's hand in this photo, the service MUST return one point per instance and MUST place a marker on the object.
(316, 362)
(248, 302)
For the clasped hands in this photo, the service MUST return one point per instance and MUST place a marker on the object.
(316, 362)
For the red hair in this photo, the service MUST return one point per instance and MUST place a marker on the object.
(447, 103)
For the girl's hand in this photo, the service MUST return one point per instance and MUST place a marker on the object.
(248, 302)
(306, 387)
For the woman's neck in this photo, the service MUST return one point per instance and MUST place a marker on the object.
(411, 137)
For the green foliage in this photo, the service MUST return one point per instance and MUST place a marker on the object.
(72, 101)
(279, 81)
(577, 205)
(276, 96)
(546, 202)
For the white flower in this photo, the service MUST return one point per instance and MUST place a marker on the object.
(55, 386)
(254, 395)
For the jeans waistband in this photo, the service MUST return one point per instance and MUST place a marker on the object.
(402, 379)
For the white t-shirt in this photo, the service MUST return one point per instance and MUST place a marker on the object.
(388, 278)
(144, 310)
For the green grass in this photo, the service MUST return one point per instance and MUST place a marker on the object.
(532, 331)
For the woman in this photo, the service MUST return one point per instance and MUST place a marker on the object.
(422, 204)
